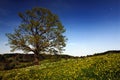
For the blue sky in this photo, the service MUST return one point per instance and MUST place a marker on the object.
(92, 26)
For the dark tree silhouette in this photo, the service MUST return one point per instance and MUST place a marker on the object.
(40, 31)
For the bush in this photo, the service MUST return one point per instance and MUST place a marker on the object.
(2, 58)
(10, 64)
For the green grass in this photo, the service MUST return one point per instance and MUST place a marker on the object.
(102, 67)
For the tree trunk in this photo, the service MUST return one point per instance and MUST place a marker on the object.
(36, 58)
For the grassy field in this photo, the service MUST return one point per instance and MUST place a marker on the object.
(101, 67)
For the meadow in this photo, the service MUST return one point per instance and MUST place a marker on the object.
(99, 67)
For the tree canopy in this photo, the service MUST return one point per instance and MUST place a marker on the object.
(40, 31)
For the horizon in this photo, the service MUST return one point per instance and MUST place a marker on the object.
(109, 51)
(92, 26)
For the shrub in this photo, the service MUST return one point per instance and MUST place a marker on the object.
(10, 64)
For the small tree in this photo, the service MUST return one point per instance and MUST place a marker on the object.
(40, 31)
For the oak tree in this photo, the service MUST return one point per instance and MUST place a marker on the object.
(40, 31)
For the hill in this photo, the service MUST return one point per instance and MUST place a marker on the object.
(100, 67)
(18, 60)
